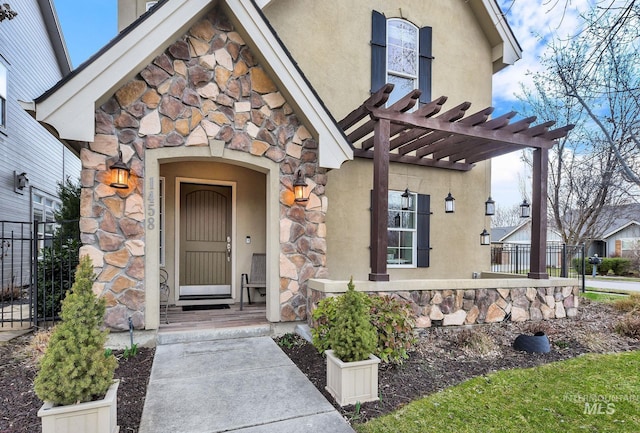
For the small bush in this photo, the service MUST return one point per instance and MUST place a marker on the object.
(352, 336)
(629, 326)
(628, 304)
(74, 367)
(395, 322)
(392, 318)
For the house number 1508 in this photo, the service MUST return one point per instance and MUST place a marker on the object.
(151, 205)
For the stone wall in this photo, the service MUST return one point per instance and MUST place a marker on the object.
(207, 85)
(486, 305)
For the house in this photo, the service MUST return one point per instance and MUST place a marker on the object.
(33, 160)
(253, 127)
(621, 238)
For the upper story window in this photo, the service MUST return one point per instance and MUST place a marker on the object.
(3, 96)
(401, 55)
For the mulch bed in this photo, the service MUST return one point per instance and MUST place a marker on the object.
(442, 357)
(19, 405)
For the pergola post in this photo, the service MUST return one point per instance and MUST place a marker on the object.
(538, 259)
(380, 202)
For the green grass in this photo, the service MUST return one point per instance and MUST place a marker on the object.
(602, 297)
(545, 399)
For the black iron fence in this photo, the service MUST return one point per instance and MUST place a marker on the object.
(562, 260)
(37, 267)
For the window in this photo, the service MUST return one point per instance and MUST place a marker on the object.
(401, 55)
(402, 232)
(3, 96)
(43, 215)
(408, 231)
(161, 220)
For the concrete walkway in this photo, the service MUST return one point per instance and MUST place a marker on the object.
(243, 385)
(612, 284)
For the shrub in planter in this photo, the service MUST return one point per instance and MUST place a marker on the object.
(392, 318)
(74, 368)
(352, 336)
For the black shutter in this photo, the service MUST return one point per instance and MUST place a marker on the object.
(424, 222)
(378, 51)
(424, 65)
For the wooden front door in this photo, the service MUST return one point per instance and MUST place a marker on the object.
(205, 241)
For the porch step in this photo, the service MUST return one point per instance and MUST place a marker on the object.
(209, 334)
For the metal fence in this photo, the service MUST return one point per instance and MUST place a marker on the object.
(37, 267)
(562, 260)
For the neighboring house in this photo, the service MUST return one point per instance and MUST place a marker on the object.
(622, 235)
(220, 108)
(511, 247)
(33, 58)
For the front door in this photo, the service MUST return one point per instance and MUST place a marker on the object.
(205, 241)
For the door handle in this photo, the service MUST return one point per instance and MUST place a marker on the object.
(228, 248)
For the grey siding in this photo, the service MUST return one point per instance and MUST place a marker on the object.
(25, 146)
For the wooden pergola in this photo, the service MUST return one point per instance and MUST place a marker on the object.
(447, 140)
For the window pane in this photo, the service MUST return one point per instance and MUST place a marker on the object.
(402, 87)
(402, 47)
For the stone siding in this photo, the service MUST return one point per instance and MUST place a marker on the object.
(207, 85)
(476, 306)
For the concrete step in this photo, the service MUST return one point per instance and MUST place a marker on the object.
(210, 334)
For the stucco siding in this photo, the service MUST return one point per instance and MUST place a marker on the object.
(339, 65)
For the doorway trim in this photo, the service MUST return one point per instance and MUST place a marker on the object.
(177, 231)
(214, 152)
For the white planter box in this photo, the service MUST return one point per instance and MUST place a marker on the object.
(98, 416)
(352, 382)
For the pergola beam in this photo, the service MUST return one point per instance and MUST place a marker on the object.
(450, 138)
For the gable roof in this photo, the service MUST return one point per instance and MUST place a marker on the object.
(70, 105)
(619, 229)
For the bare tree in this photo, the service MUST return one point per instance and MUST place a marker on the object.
(590, 168)
(508, 216)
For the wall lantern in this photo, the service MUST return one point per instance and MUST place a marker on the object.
(120, 174)
(485, 237)
(449, 204)
(21, 180)
(525, 209)
(299, 184)
(406, 199)
(489, 207)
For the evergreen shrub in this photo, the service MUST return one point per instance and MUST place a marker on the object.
(74, 368)
(352, 336)
(391, 318)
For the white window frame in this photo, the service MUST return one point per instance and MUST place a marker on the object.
(394, 212)
(45, 207)
(400, 74)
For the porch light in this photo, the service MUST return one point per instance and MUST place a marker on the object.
(120, 174)
(406, 199)
(449, 204)
(299, 184)
(525, 209)
(489, 207)
(485, 237)
(21, 180)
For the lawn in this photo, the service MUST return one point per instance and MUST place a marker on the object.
(591, 393)
(602, 296)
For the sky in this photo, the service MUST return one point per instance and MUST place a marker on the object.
(89, 25)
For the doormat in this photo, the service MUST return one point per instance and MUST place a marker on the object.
(205, 307)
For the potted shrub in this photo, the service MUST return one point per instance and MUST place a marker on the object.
(75, 377)
(352, 369)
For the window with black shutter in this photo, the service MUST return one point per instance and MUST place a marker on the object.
(408, 228)
(400, 54)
